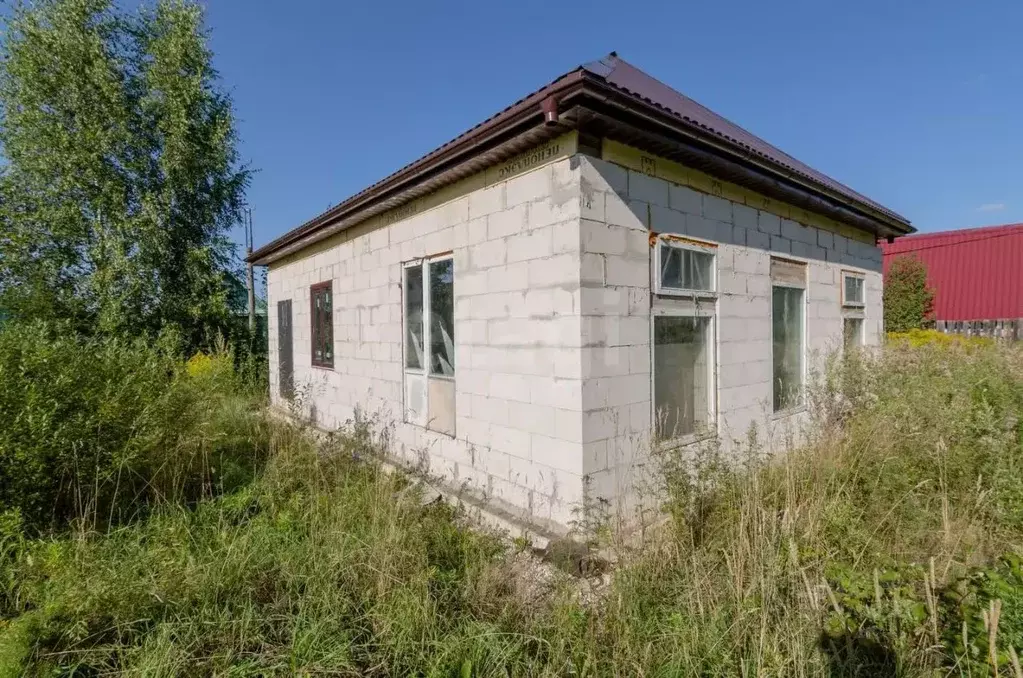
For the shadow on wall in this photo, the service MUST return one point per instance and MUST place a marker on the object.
(664, 207)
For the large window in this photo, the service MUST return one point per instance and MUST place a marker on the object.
(683, 375)
(429, 318)
(788, 292)
(684, 305)
(321, 300)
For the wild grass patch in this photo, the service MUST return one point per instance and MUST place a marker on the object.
(889, 546)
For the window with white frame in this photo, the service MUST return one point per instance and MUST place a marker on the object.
(683, 339)
(852, 289)
(429, 336)
(788, 294)
(684, 268)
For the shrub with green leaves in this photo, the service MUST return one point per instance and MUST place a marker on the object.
(908, 301)
(99, 428)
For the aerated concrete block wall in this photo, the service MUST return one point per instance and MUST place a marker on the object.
(552, 285)
(518, 377)
(621, 209)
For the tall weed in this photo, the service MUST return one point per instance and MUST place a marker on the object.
(97, 429)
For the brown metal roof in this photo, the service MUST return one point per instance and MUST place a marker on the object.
(522, 123)
(617, 72)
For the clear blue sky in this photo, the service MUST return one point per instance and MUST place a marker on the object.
(915, 104)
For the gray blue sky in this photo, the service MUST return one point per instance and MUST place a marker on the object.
(915, 103)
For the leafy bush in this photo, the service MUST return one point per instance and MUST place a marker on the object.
(99, 428)
(908, 301)
(919, 337)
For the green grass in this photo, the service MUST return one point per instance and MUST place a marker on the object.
(865, 553)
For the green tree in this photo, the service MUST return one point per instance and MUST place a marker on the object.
(908, 301)
(121, 176)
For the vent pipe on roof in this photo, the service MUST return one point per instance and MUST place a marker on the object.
(550, 111)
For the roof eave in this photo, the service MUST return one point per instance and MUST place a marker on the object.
(573, 90)
(664, 122)
(518, 118)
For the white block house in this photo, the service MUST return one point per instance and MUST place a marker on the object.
(600, 269)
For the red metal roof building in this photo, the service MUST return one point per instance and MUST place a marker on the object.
(976, 273)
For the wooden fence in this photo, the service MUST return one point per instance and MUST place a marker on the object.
(999, 329)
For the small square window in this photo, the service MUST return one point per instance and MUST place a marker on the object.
(684, 269)
(852, 289)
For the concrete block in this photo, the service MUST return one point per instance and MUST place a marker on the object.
(561, 455)
(510, 440)
(534, 244)
(648, 189)
(487, 409)
(841, 243)
(701, 228)
(603, 176)
(595, 456)
(565, 238)
(615, 391)
(627, 271)
(639, 359)
(633, 330)
(554, 392)
(568, 424)
(758, 239)
(565, 174)
(685, 199)
(603, 239)
(560, 269)
(529, 186)
(732, 283)
(718, 209)
(639, 301)
(795, 231)
(507, 222)
(507, 278)
(509, 387)
(664, 220)
(826, 239)
(487, 255)
(531, 418)
(801, 249)
(738, 236)
(780, 244)
(567, 363)
(486, 201)
(744, 216)
(753, 262)
(593, 269)
(768, 223)
(554, 210)
(592, 205)
(605, 361)
(630, 214)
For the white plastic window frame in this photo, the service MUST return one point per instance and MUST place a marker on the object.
(685, 244)
(427, 360)
(847, 303)
(694, 309)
